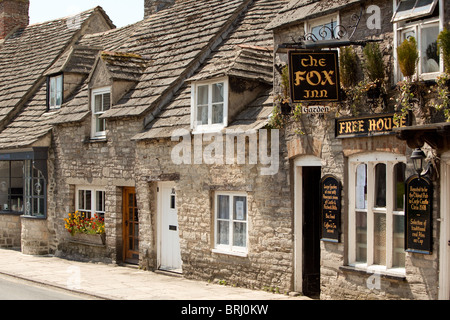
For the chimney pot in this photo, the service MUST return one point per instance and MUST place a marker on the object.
(13, 14)
(154, 6)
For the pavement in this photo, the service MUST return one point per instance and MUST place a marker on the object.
(99, 281)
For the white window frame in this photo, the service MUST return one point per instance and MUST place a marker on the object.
(53, 94)
(194, 110)
(95, 115)
(230, 248)
(402, 27)
(310, 24)
(93, 210)
(371, 160)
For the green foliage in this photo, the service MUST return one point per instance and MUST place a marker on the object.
(374, 62)
(408, 55)
(443, 95)
(444, 45)
(348, 62)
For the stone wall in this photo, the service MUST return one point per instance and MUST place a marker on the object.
(315, 135)
(10, 231)
(269, 263)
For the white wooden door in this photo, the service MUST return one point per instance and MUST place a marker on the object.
(170, 257)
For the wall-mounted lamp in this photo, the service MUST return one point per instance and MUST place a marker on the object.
(418, 158)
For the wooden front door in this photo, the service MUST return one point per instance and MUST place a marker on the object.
(130, 226)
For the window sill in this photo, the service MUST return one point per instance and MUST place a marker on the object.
(230, 253)
(34, 217)
(398, 274)
(96, 140)
(10, 213)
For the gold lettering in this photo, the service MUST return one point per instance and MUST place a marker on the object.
(299, 77)
(310, 76)
(328, 77)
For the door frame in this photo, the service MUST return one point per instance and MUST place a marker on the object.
(299, 163)
(160, 185)
(444, 264)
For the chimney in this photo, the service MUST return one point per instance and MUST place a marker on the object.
(13, 13)
(154, 6)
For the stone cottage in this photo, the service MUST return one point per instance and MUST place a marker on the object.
(159, 128)
(380, 238)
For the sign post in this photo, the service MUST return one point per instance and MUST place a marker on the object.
(331, 208)
(418, 215)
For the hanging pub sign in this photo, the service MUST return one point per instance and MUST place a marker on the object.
(378, 124)
(314, 76)
(331, 208)
(418, 213)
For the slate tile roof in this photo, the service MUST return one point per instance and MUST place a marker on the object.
(248, 45)
(219, 37)
(297, 10)
(24, 58)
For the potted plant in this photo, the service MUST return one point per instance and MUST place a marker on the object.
(375, 69)
(84, 229)
(408, 55)
(348, 63)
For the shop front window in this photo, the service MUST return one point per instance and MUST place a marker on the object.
(376, 215)
(11, 186)
(35, 190)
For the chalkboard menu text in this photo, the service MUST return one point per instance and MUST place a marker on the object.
(418, 222)
(331, 208)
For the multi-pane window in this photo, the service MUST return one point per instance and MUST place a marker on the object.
(101, 102)
(11, 186)
(35, 190)
(420, 19)
(55, 92)
(210, 105)
(376, 211)
(91, 202)
(323, 28)
(231, 222)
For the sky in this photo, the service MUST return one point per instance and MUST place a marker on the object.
(121, 12)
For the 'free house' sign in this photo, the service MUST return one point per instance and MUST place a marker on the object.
(314, 76)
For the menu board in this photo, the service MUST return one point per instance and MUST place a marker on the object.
(331, 208)
(418, 215)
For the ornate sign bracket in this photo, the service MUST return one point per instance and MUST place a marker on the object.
(330, 36)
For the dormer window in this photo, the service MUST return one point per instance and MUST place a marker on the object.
(101, 102)
(209, 105)
(55, 92)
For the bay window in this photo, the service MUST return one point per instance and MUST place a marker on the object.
(376, 211)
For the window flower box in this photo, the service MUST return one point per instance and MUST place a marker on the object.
(93, 239)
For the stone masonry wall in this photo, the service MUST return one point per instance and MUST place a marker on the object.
(10, 231)
(269, 263)
(315, 135)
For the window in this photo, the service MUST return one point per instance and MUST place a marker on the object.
(210, 105)
(410, 9)
(376, 211)
(101, 102)
(11, 186)
(420, 19)
(35, 190)
(55, 92)
(324, 28)
(231, 223)
(90, 201)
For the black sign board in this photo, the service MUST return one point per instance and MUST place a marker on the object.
(314, 76)
(331, 208)
(369, 126)
(418, 214)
